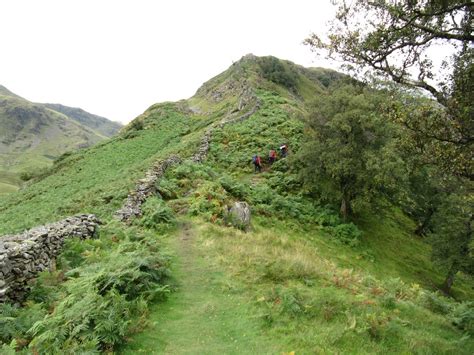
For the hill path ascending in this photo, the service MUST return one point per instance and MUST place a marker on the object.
(203, 316)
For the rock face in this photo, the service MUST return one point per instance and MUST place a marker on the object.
(239, 215)
(24, 255)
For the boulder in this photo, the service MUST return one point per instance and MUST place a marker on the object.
(239, 215)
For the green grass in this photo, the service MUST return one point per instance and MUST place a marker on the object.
(207, 314)
(96, 180)
(310, 303)
(7, 188)
(9, 182)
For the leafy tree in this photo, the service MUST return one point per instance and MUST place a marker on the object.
(395, 39)
(451, 238)
(349, 152)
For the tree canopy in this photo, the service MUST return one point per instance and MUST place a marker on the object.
(402, 41)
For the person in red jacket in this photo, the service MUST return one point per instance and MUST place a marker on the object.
(257, 161)
(272, 156)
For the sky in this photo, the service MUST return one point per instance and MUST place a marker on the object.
(115, 58)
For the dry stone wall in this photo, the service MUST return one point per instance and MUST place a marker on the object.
(24, 255)
(145, 188)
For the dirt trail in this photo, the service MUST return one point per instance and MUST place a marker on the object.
(202, 316)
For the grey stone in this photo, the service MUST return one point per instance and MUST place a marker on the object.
(239, 215)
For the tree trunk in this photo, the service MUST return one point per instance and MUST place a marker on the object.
(421, 228)
(448, 282)
(345, 209)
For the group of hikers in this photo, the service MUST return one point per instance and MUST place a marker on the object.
(272, 157)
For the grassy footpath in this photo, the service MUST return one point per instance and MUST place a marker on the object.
(205, 315)
(279, 289)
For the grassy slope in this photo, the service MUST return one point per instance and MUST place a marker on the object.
(307, 292)
(204, 315)
(287, 280)
(32, 135)
(97, 123)
(96, 179)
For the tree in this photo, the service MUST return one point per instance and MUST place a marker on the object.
(396, 40)
(452, 237)
(349, 153)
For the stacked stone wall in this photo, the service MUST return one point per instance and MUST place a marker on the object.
(24, 255)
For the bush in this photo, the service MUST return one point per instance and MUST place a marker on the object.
(167, 189)
(436, 303)
(156, 215)
(347, 233)
(234, 188)
(273, 70)
(209, 200)
(463, 316)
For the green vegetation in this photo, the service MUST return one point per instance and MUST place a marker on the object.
(180, 279)
(100, 295)
(33, 135)
(97, 123)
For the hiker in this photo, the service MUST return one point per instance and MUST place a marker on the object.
(283, 150)
(258, 163)
(272, 156)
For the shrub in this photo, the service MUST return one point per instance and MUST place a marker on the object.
(209, 199)
(234, 188)
(436, 303)
(463, 316)
(167, 189)
(347, 233)
(327, 217)
(273, 70)
(156, 215)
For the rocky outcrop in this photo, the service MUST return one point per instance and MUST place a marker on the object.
(24, 255)
(145, 188)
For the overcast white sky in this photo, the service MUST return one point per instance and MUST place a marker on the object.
(115, 58)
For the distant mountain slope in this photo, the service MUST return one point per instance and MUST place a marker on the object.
(33, 135)
(97, 123)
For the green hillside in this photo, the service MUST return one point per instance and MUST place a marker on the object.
(33, 135)
(97, 123)
(180, 279)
